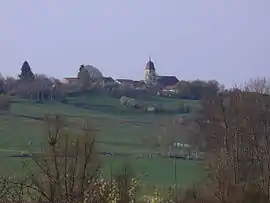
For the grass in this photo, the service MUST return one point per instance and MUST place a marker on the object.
(188, 172)
(120, 130)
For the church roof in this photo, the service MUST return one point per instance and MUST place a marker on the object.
(150, 65)
(167, 80)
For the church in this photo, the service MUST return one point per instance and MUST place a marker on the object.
(151, 77)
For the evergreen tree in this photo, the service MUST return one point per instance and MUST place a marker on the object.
(26, 72)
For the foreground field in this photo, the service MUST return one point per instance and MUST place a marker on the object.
(120, 130)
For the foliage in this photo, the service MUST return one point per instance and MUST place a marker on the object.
(89, 72)
(84, 78)
(40, 89)
(2, 86)
(10, 85)
(155, 198)
(94, 72)
(259, 85)
(197, 89)
(65, 165)
(26, 72)
(152, 109)
(235, 130)
(5, 103)
(129, 102)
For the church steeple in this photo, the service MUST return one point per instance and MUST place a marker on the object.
(150, 65)
(150, 72)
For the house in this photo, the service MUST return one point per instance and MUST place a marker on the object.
(171, 89)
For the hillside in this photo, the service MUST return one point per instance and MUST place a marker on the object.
(121, 131)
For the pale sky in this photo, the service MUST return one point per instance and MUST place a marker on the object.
(226, 40)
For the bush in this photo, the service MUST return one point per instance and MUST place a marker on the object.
(152, 109)
(129, 102)
(5, 103)
(123, 100)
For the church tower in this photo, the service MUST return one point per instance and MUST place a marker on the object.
(150, 72)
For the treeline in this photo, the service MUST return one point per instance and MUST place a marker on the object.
(233, 131)
(36, 87)
(198, 89)
(194, 90)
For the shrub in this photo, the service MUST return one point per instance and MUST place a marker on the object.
(129, 102)
(123, 100)
(151, 109)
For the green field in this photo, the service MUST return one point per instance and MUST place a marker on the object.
(120, 130)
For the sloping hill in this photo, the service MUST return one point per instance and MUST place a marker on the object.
(121, 130)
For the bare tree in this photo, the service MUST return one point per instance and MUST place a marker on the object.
(259, 85)
(67, 165)
(10, 85)
(235, 128)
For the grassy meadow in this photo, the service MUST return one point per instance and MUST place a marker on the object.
(120, 130)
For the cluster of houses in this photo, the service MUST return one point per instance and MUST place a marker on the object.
(165, 83)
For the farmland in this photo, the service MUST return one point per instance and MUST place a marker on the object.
(120, 130)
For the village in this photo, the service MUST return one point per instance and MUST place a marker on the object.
(166, 84)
